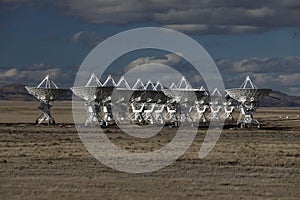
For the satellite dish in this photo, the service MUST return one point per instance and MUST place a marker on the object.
(153, 93)
(248, 95)
(46, 92)
(248, 92)
(183, 99)
(184, 92)
(243, 95)
(92, 93)
(96, 96)
(94, 90)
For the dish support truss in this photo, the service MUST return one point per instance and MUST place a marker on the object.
(46, 92)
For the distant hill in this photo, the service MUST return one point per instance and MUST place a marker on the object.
(276, 99)
(279, 99)
(15, 92)
(18, 92)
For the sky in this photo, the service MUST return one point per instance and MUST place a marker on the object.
(260, 38)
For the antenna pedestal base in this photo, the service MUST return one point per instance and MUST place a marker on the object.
(246, 118)
(46, 115)
(92, 110)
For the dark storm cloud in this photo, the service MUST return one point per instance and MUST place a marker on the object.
(193, 16)
(190, 16)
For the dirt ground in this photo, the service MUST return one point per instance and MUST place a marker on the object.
(50, 162)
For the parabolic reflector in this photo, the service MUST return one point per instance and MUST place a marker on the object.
(48, 94)
(185, 94)
(92, 93)
(128, 95)
(243, 94)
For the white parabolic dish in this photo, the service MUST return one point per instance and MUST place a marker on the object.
(189, 94)
(47, 94)
(90, 93)
(243, 94)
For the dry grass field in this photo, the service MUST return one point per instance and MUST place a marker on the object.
(50, 162)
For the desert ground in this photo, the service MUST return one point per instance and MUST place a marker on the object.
(50, 162)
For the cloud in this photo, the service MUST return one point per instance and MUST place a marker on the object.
(154, 72)
(100, 11)
(34, 74)
(289, 64)
(194, 16)
(12, 4)
(277, 73)
(281, 73)
(168, 69)
(212, 29)
(290, 79)
(8, 73)
(86, 38)
(288, 83)
(76, 37)
(168, 59)
(190, 16)
(13, 1)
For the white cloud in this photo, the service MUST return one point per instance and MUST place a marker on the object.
(9, 73)
(38, 75)
(32, 75)
(282, 74)
(76, 37)
(86, 37)
(154, 72)
(169, 60)
(207, 29)
(289, 64)
(290, 79)
(261, 12)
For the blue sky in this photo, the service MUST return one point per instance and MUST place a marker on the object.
(37, 37)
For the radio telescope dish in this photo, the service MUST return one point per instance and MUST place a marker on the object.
(149, 93)
(93, 91)
(46, 92)
(248, 95)
(97, 96)
(184, 92)
(183, 99)
(247, 92)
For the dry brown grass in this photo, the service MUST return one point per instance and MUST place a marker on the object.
(50, 162)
